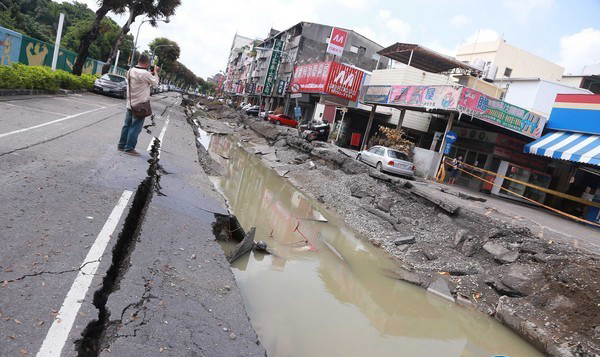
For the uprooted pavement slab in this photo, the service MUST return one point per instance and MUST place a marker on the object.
(487, 263)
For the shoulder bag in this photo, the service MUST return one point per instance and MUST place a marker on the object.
(140, 110)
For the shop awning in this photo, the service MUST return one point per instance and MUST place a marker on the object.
(584, 148)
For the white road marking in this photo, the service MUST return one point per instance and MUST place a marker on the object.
(34, 109)
(79, 101)
(48, 123)
(162, 132)
(59, 331)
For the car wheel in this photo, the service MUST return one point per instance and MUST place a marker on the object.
(379, 167)
(358, 157)
(277, 122)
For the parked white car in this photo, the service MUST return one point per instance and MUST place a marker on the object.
(386, 159)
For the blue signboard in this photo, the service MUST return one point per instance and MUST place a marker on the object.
(451, 137)
(297, 112)
(447, 148)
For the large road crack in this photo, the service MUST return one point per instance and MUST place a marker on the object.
(98, 333)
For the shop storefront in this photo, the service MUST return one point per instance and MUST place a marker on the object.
(572, 146)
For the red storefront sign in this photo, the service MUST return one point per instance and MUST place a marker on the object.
(337, 41)
(328, 77)
(344, 81)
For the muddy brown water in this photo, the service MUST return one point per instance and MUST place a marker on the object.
(324, 291)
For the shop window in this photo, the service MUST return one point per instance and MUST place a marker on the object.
(481, 160)
(471, 157)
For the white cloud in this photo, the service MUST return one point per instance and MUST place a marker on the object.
(438, 47)
(459, 21)
(398, 28)
(580, 49)
(385, 14)
(483, 35)
(524, 10)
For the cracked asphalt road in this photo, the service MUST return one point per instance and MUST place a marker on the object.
(61, 178)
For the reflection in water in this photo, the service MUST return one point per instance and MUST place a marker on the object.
(323, 292)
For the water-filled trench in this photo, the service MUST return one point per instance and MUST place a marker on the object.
(324, 291)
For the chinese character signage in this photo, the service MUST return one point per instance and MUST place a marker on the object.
(281, 87)
(501, 113)
(461, 99)
(377, 94)
(329, 78)
(273, 67)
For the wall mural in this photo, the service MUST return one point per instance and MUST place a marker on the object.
(15, 47)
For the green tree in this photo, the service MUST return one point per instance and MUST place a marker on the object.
(166, 51)
(154, 10)
(116, 6)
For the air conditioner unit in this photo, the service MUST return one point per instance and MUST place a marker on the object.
(491, 72)
(478, 63)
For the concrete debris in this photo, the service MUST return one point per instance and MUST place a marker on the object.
(243, 247)
(495, 249)
(382, 215)
(508, 257)
(405, 240)
(460, 236)
(446, 205)
(440, 288)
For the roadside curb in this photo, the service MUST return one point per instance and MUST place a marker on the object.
(14, 92)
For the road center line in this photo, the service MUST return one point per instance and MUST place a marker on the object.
(162, 132)
(48, 123)
(59, 331)
(34, 109)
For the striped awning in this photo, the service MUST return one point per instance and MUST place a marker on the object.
(584, 148)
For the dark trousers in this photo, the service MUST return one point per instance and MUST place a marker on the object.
(130, 131)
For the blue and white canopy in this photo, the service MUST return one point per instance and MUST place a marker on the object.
(584, 148)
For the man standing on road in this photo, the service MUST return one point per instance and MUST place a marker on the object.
(138, 91)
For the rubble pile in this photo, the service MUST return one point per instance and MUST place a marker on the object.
(546, 291)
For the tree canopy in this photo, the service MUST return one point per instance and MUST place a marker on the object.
(39, 19)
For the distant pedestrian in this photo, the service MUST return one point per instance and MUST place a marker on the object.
(455, 164)
(140, 80)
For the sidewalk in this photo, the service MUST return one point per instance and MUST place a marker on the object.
(542, 222)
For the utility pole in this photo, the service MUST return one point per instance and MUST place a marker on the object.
(61, 19)
(443, 145)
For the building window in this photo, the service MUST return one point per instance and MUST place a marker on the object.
(353, 49)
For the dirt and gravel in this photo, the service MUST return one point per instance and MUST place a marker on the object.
(545, 290)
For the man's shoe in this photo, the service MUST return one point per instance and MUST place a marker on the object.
(132, 153)
(121, 149)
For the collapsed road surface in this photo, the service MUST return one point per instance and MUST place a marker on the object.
(325, 291)
(107, 254)
(540, 283)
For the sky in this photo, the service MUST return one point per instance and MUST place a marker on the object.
(566, 32)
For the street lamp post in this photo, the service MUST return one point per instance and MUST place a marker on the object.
(154, 51)
(137, 35)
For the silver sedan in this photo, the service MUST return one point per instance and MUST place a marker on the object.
(386, 159)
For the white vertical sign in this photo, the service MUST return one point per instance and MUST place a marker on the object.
(57, 43)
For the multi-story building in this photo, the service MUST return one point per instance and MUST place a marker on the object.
(500, 60)
(240, 48)
(303, 43)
